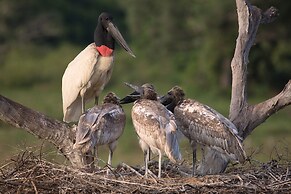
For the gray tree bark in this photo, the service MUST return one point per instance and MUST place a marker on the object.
(57, 132)
(246, 117)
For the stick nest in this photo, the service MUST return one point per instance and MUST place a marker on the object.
(29, 173)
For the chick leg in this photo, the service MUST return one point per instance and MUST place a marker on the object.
(160, 164)
(146, 162)
(194, 147)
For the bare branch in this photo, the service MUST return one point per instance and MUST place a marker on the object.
(56, 132)
(264, 110)
(249, 18)
(244, 116)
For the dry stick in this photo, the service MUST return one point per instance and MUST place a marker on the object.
(273, 176)
(34, 187)
(287, 173)
(126, 182)
(131, 169)
(93, 184)
(279, 184)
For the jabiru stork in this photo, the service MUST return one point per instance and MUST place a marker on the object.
(203, 125)
(100, 125)
(155, 126)
(86, 76)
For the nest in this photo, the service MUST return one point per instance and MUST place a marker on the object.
(29, 173)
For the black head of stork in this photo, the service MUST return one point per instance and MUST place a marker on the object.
(105, 35)
(111, 98)
(174, 97)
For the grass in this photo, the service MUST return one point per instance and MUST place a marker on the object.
(37, 85)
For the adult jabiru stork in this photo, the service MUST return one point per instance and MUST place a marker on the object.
(100, 125)
(205, 126)
(155, 126)
(86, 76)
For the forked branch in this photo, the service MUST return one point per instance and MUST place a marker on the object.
(246, 117)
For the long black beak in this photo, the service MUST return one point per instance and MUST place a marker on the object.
(133, 96)
(168, 102)
(165, 100)
(130, 98)
(113, 30)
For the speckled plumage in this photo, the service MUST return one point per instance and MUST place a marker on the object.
(155, 127)
(203, 125)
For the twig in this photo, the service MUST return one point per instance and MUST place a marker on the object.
(129, 183)
(287, 173)
(273, 176)
(154, 177)
(279, 184)
(34, 187)
(131, 169)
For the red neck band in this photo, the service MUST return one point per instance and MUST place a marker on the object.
(104, 50)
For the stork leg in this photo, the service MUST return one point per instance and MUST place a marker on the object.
(95, 154)
(96, 100)
(146, 160)
(109, 161)
(149, 154)
(83, 104)
(160, 164)
(112, 147)
(194, 147)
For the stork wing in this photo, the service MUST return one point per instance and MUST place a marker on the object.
(85, 125)
(76, 76)
(206, 126)
(110, 124)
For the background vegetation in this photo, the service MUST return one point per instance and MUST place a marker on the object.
(186, 43)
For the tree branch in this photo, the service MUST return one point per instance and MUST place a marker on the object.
(58, 133)
(244, 116)
(264, 110)
(249, 18)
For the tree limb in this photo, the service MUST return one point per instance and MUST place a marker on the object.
(263, 110)
(58, 133)
(248, 21)
(244, 116)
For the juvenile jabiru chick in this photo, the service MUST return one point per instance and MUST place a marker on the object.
(101, 125)
(155, 126)
(205, 126)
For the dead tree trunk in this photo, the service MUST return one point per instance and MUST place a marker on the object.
(58, 133)
(246, 117)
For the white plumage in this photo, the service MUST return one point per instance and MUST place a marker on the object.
(84, 79)
(87, 75)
